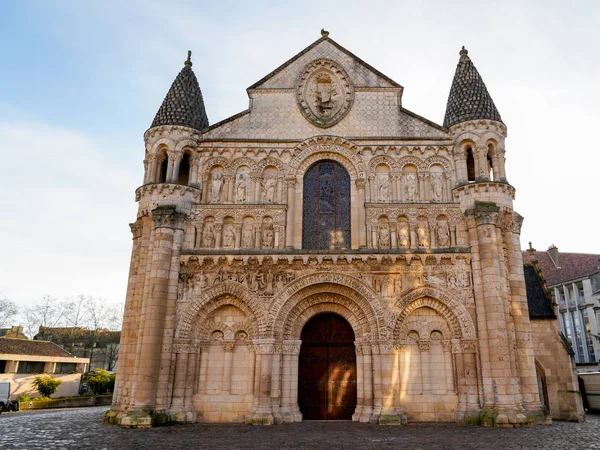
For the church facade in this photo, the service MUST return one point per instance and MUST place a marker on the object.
(327, 254)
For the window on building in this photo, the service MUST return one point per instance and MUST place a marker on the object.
(31, 367)
(588, 335)
(470, 165)
(65, 368)
(578, 337)
(326, 207)
(162, 175)
(184, 170)
(2, 366)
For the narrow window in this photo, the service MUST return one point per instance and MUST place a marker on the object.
(184, 170)
(162, 176)
(470, 165)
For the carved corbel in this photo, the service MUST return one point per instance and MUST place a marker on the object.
(166, 216)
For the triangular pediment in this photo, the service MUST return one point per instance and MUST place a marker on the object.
(362, 74)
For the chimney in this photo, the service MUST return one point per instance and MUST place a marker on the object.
(554, 255)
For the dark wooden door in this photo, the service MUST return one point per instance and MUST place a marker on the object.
(327, 369)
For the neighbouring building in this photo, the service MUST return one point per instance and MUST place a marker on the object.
(574, 279)
(329, 254)
(100, 345)
(21, 360)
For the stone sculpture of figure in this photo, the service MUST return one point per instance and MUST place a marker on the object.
(384, 189)
(268, 235)
(443, 233)
(241, 188)
(436, 186)
(228, 236)
(403, 235)
(422, 234)
(216, 187)
(208, 235)
(384, 236)
(247, 237)
(269, 189)
(411, 187)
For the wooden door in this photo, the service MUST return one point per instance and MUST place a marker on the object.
(327, 369)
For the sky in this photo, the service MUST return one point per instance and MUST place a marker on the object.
(80, 82)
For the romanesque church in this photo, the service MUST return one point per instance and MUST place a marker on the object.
(329, 254)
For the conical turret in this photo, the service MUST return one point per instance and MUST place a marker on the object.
(469, 99)
(183, 104)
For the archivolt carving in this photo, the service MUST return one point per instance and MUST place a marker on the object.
(458, 318)
(326, 147)
(358, 296)
(163, 142)
(226, 293)
(218, 161)
(382, 159)
(242, 162)
(260, 165)
(438, 160)
(189, 143)
(411, 160)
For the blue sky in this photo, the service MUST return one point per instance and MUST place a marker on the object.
(81, 82)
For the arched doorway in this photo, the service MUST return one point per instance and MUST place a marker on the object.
(327, 369)
(326, 207)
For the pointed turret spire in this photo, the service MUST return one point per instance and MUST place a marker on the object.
(469, 99)
(183, 104)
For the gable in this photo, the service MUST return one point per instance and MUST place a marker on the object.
(361, 73)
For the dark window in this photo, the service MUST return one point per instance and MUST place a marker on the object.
(184, 170)
(162, 176)
(65, 368)
(2, 366)
(470, 165)
(30, 367)
(326, 207)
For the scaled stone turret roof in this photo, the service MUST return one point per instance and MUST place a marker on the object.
(469, 99)
(183, 104)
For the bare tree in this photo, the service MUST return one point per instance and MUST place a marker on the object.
(76, 311)
(47, 312)
(8, 311)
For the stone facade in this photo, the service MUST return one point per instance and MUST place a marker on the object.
(225, 272)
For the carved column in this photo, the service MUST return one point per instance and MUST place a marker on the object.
(168, 236)
(501, 164)
(238, 235)
(377, 388)
(360, 382)
(367, 409)
(176, 158)
(181, 367)
(194, 169)
(391, 413)
(227, 363)
(422, 195)
(424, 346)
(362, 236)
(290, 412)
(229, 183)
(276, 383)
(256, 188)
(263, 414)
(291, 209)
(149, 176)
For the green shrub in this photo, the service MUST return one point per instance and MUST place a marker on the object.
(100, 381)
(46, 385)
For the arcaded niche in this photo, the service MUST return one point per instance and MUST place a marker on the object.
(328, 254)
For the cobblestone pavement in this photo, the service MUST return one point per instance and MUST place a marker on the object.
(83, 429)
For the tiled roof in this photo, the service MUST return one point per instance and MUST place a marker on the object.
(183, 104)
(34, 348)
(572, 266)
(469, 99)
(538, 302)
(69, 335)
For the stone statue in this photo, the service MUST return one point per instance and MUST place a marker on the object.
(228, 236)
(247, 236)
(216, 187)
(443, 233)
(325, 94)
(403, 235)
(411, 187)
(384, 236)
(240, 189)
(208, 235)
(269, 189)
(422, 234)
(384, 189)
(436, 186)
(268, 235)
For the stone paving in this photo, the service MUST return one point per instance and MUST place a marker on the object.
(83, 429)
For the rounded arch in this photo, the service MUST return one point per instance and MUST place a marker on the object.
(459, 320)
(186, 145)
(225, 293)
(244, 161)
(163, 144)
(216, 161)
(269, 161)
(326, 147)
(413, 160)
(336, 288)
(438, 160)
(382, 159)
(305, 311)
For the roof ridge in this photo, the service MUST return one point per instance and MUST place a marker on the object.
(469, 98)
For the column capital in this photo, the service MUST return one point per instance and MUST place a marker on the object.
(228, 345)
(264, 346)
(136, 230)
(291, 347)
(175, 155)
(484, 213)
(290, 182)
(166, 216)
(360, 183)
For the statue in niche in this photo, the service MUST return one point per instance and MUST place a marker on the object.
(463, 279)
(422, 233)
(443, 233)
(208, 235)
(384, 236)
(216, 187)
(247, 236)
(436, 186)
(228, 236)
(269, 283)
(403, 235)
(397, 284)
(241, 188)
(411, 187)
(268, 188)
(325, 94)
(384, 188)
(268, 236)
